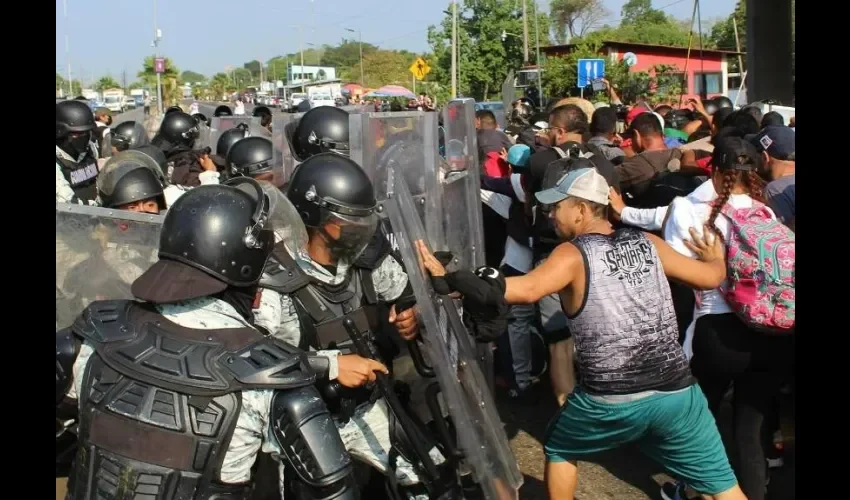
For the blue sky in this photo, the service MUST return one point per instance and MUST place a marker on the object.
(207, 35)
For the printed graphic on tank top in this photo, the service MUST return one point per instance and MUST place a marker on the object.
(625, 330)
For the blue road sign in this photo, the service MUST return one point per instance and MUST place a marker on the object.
(589, 70)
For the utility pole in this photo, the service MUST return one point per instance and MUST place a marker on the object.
(738, 48)
(537, 57)
(67, 48)
(524, 33)
(301, 49)
(124, 78)
(157, 35)
(454, 49)
(360, 36)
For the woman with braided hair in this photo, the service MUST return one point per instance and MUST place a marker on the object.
(724, 351)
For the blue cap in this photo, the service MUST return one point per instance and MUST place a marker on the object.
(519, 155)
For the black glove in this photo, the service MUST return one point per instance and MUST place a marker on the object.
(484, 306)
(439, 283)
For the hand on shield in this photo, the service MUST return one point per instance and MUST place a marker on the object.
(485, 308)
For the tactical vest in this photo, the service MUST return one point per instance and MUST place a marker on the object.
(82, 177)
(159, 402)
(322, 307)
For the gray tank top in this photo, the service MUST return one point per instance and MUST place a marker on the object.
(625, 331)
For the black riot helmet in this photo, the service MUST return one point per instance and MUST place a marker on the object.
(74, 126)
(128, 135)
(215, 236)
(223, 111)
(261, 111)
(201, 119)
(723, 102)
(158, 156)
(521, 112)
(335, 199)
(229, 137)
(533, 95)
(177, 129)
(173, 109)
(710, 106)
(129, 177)
(320, 130)
(250, 156)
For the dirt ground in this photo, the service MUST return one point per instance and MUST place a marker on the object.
(623, 474)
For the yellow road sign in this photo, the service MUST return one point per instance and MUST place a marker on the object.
(420, 68)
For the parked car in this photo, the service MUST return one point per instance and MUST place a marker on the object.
(129, 102)
(317, 100)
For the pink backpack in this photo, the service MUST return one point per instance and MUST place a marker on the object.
(760, 264)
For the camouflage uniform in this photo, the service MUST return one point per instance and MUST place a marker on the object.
(366, 435)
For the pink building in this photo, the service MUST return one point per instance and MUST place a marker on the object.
(713, 63)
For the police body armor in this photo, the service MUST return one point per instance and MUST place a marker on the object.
(159, 402)
(322, 311)
(82, 176)
(322, 307)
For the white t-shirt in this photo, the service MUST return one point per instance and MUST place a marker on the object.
(692, 211)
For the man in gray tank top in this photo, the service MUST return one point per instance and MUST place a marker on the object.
(635, 384)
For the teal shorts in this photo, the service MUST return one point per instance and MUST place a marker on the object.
(676, 429)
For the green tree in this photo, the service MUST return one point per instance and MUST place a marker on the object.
(346, 54)
(483, 57)
(62, 84)
(575, 18)
(638, 12)
(171, 92)
(385, 67)
(254, 67)
(192, 77)
(218, 85)
(107, 82)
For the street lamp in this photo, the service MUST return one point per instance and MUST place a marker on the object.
(360, 36)
(505, 35)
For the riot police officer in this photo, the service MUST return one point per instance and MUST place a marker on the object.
(223, 110)
(320, 130)
(265, 116)
(345, 274)
(196, 316)
(186, 167)
(132, 181)
(252, 157)
(229, 137)
(128, 135)
(76, 157)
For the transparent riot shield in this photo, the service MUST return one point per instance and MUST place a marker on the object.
(283, 129)
(449, 348)
(99, 253)
(508, 91)
(220, 124)
(204, 139)
(461, 185)
(406, 142)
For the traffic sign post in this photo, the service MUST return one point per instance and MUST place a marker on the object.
(589, 70)
(419, 68)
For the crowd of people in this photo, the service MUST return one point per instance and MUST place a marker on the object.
(650, 250)
(666, 172)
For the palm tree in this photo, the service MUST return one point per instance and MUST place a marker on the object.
(171, 92)
(107, 82)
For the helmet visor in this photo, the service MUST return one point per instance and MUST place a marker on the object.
(348, 236)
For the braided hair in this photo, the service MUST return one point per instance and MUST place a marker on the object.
(739, 162)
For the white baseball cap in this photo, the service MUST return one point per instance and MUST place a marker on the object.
(584, 183)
